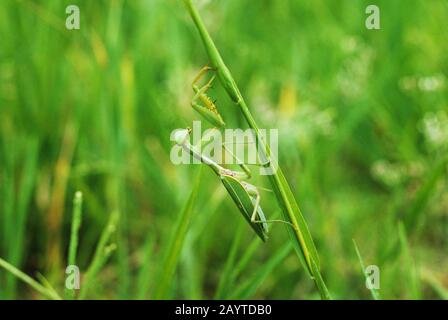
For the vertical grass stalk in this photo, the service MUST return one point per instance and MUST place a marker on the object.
(102, 253)
(74, 234)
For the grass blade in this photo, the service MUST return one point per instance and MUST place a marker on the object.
(76, 224)
(248, 288)
(44, 281)
(225, 281)
(73, 246)
(50, 294)
(435, 284)
(249, 252)
(174, 247)
(16, 209)
(375, 293)
(102, 253)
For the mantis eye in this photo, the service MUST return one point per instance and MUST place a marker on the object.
(181, 136)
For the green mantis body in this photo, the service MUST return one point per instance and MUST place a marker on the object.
(245, 195)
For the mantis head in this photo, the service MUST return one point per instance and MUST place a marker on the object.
(181, 136)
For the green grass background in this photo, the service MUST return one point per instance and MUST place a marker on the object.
(363, 118)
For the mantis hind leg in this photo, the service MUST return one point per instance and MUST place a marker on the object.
(253, 218)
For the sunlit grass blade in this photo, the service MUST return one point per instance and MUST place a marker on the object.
(175, 244)
(435, 284)
(300, 235)
(375, 294)
(44, 281)
(319, 281)
(46, 292)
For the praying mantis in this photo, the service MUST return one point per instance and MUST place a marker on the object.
(245, 195)
(299, 233)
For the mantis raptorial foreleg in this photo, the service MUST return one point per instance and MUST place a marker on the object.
(209, 110)
(200, 74)
(207, 107)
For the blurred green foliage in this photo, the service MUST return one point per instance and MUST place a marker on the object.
(363, 119)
